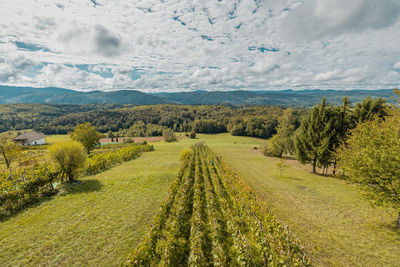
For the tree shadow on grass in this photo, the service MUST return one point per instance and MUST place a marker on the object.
(75, 187)
(80, 186)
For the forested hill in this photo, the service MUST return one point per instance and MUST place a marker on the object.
(304, 98)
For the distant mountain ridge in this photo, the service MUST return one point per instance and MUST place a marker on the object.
(301, 98)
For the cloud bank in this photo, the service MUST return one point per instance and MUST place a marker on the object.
(175, 45)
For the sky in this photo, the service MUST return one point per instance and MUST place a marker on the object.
(182, 45)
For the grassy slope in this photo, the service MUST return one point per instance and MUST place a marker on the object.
(99, 223)
(103, 223)
(326, 213)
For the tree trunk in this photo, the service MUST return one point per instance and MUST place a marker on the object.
(398, 221)
(7, 162)
(334, 168)
(314, 166)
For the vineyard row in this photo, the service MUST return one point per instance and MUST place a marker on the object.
(212, 218)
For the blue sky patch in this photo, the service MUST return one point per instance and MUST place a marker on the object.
(30, 47)
(205, 37)
(263, 49)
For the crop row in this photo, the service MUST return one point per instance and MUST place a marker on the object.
(212, 218)
(100, 162)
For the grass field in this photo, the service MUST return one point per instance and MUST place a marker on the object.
(100, 222)
(56, 138)
(335, 222)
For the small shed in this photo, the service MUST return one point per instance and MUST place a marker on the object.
(31, 139)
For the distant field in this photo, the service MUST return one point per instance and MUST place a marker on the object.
(102, 221)
(55, 138)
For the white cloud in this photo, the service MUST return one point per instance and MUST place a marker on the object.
(209, 45)
(316, 19)
(81, 39)
(13, 66)
(327, 76)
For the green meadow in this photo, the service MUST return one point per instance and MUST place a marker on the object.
(100, 221)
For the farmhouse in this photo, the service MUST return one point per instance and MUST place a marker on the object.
(31, 139)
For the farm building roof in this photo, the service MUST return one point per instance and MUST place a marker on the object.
(29, 136)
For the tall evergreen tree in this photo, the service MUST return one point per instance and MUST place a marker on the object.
(313, 143)
(343, 123)
(368, 109)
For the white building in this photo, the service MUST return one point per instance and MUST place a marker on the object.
(31, 139)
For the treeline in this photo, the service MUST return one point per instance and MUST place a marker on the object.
(361, 143)
(14, 117)
(151, 120)
(322, 130)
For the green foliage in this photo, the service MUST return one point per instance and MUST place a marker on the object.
(313, 140)
(192, 134)
(129, 141)
(14, 117)
(185, 153)
(100, 162)
(208, 126)
(9, 151)
(169, 135)
(87, 135)
(150, 120)
(23, 186)
(283, 142)
(69, 158)
(325, 127)
(274, 149)
(211, 217)
(370, 158)
(255, 126)
(369, 108)
(140, 129)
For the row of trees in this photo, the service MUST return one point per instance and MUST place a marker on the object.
(362, 141)
(140, 129)
(325, 127)
(370, 157)
(322, 130)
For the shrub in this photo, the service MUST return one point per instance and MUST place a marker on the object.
(169, 135)
(269, 151)
(69, 158)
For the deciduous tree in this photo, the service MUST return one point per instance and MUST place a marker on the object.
(86, 134)
(371, 157)
(9, 151)
(283, 141)
(169, 135)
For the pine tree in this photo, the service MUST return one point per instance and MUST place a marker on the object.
(313, 143)
(368, 109)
